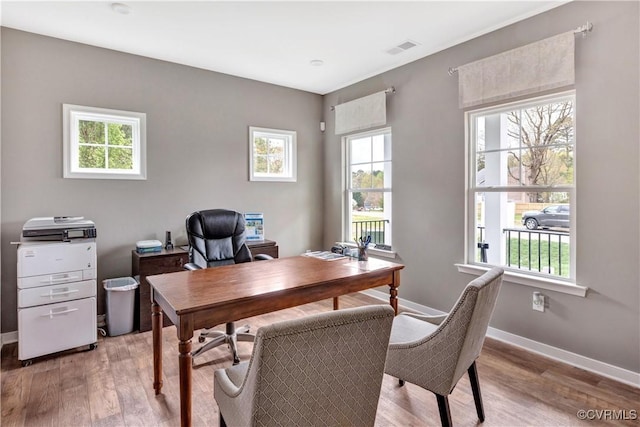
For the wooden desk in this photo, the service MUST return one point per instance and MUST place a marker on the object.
(209, 297)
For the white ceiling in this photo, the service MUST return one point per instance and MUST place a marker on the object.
(274, 42)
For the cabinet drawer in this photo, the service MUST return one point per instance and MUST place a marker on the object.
(55, 327)
(56, 293)
(165, 264)
(56, 279)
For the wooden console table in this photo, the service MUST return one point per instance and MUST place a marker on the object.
(143, 265)
(266, 247)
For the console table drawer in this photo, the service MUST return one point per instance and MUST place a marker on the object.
(266, 247)
(148, 264)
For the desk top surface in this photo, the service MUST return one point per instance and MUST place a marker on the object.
(190, 291)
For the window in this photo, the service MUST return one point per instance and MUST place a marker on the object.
(272, 155)
(368, 187)
(521, 202)
(102, 143)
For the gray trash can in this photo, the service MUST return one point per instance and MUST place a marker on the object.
(121, 293)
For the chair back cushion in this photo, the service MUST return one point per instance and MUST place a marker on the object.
(436, 357)
(321, 370)
(217, 237)
(482, 294)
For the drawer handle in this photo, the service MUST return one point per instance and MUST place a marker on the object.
(58, 293)
(57, 313)
(65, 278)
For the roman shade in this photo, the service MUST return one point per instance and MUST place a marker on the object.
(362, 113)
(536, 67)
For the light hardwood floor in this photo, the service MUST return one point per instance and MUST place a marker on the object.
(112, 386)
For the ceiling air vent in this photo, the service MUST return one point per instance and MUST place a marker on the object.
(401, 47)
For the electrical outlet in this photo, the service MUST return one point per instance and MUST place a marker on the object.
(538, 301)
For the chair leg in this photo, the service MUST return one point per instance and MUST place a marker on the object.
(230, 337)
(475, 387)
(445, 412)
(400, 382)
(222, 422)
(246, 337)
(243, 334)
(233, 345)
(208, 346)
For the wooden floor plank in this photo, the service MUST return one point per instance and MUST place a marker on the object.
(102, 395)
(44, 399)
(16, 386)
(112, 386)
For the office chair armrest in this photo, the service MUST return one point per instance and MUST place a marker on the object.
(191, 266)
(435, 320)
(262, 257)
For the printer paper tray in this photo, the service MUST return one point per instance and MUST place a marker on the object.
(55, 327)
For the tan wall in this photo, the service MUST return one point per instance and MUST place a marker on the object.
(197, 151)
(429, 181)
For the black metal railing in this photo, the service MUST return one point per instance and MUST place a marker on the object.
(482, 245)
(375, 229)
(536, 250)
(540, 251)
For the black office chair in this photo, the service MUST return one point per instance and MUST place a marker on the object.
(217, 237)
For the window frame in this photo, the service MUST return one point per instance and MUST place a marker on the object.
(347, 206)
(72, 114)
(290, 173)
(521, 276)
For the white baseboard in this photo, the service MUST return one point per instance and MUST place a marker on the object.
(555, 353)
(573, 359)
(9, 337)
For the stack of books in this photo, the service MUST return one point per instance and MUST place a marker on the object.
(148, 246)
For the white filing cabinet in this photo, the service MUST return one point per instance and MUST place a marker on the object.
(56, 297)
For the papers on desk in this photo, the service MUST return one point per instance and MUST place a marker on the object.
(324, 255)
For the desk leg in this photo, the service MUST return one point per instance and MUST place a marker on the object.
(156, 324)
(393, 290)
(335, 303)
(184, 366)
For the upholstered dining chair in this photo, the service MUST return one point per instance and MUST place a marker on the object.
(433, 352)
(321, 370)
(217, 237)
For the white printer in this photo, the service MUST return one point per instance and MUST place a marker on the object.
(56, 286)
(58, 228)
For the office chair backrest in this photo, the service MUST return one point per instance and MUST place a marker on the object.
(217, 237)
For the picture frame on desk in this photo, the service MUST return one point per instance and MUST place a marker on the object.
(254, 227)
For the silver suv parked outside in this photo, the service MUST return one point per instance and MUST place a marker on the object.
(551, 216)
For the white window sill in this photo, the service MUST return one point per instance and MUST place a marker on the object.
(372, 251)
(529, 280)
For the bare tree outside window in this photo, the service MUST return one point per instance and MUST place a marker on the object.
(522, 189)
(543, 155)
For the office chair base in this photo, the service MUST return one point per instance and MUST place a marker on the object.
(231, 339)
